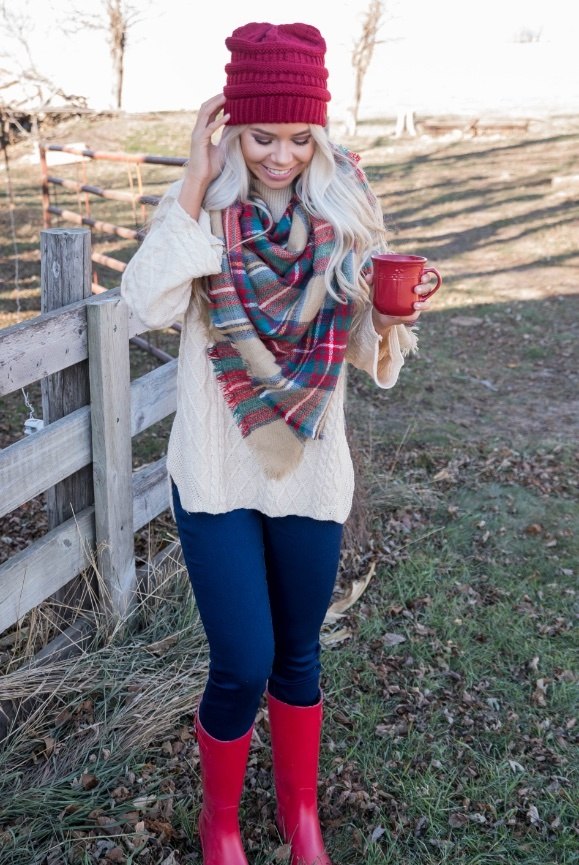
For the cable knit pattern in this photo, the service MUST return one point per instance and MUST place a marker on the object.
(208, 459)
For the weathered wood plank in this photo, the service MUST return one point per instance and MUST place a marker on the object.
(48, 343)
(65, 278)
(150, 493)
(37, 572)
(111, 442)
(47, 565)
(153, 396)
(35, 463)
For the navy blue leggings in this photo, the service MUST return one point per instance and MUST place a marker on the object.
(262, 587)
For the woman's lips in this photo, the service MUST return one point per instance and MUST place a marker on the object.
(276, 173)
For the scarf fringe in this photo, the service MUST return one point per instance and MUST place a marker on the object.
(236, 388)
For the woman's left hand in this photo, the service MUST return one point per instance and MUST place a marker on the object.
(382, 322)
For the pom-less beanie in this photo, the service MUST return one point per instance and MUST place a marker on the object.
(276, 75)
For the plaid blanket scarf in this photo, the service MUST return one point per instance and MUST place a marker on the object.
(279, 337)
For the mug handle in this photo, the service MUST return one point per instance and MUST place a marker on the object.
(438, 282)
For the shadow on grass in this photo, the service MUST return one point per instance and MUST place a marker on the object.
(493, 373)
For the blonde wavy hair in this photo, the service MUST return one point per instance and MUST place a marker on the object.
(329, 189)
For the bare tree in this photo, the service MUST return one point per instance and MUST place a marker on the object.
(116, 18)
(363, 52)
(22, 83)
(25, 91)
(121, 17)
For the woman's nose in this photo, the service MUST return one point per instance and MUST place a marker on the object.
(282, 154)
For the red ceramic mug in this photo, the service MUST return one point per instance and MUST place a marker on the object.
(394, 278)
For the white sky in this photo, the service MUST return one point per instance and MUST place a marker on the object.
(446, 55)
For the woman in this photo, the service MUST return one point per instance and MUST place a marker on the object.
(263, 247)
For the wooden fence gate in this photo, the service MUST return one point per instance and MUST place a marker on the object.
(84, 344)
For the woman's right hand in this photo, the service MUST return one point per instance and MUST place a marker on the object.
(204, 161)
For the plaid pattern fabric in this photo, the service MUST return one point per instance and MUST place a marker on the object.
(280, 339)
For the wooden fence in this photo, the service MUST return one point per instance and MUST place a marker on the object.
(93, 332)
(90, 191)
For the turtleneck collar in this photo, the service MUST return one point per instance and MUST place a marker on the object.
(276, 199)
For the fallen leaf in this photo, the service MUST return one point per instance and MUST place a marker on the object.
(143, 801)
(68, 809)
(49, 745)
(457, 820)
(336, 637)
(443, 475)
(394, 639)
(539, 695)
(477, 818)
(88, 781)
(422, 629)
(377, 833)
(357, 589)
(421, 825)
(161, 647)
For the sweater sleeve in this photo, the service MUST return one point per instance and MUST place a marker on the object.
(177, 249)
(382, 357)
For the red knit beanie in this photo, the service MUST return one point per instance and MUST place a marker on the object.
(276, 75)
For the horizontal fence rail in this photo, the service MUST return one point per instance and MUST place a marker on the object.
(117, 156)
(48, 343)
(100, 225)
(47, 565)
(113, 194)
(37, 462)
(107, 227)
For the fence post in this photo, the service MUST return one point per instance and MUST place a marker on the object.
(45, 191)
(108, 343)
(65, 278)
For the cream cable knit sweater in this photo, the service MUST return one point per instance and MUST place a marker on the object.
(208, 459)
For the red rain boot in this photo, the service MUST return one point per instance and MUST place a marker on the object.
(295, 739)
(222, 772)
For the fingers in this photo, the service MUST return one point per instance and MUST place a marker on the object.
(382, 321)
(213, 105)
(424, 287)
(207, 120)
(425, 284)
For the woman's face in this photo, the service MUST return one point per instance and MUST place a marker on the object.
(277, 153)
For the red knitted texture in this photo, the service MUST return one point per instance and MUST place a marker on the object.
(276, 75)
